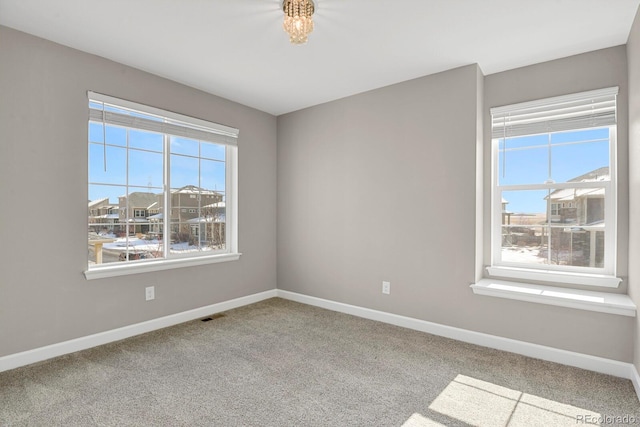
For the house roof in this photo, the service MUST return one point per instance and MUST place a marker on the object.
(192, 189)
(216, 205)
(569, 194)
(98, 202)
(141, 200)
(208, 219)
(600, 174)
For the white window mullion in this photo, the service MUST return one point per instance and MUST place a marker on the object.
(555, 186)
(496, 205)
(166, 197)
(611, 204)
(547, 226)
(497, 228)
(126, 195)
(199, 199)
(231, 200)
(228, 203)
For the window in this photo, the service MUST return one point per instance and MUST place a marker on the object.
(171, 180)
(553, 162)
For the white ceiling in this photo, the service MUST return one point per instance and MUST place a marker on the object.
(237, 48)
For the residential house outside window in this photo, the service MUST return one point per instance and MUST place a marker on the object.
(162, 187)
(553, 162)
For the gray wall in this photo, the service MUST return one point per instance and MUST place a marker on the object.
(633, 52)
(44, 297)
(378, 186)
(382, 186)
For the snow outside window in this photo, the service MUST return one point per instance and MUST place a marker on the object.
(553, 163)
(161, 185)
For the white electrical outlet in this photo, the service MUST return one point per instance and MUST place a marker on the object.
(386, 287)
(150, 292)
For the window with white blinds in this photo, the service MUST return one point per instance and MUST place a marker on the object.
(116, 112)
(162, 188)
(554, 186)
(583, 110)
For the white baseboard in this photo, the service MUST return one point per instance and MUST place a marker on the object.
(584, 361)
(635, 379)
(43, 353)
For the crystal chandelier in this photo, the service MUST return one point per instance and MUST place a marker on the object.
(297, 19)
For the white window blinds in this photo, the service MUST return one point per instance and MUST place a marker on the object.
(583, 110)
(118, 112)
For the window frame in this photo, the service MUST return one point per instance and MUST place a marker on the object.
(546, 273)
(228, 138)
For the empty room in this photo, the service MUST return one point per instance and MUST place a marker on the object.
(319, 213)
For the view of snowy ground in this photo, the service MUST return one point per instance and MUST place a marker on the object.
(524, 254)
(116, 250)
(538, 255)
(137, 244)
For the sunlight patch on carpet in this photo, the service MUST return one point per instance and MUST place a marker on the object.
(481, 403)
(417, 420)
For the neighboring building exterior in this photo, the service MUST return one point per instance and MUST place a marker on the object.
(103, 216)
(581, 210)
(579, 206)
(137, 207)
(210, 227)
(570, 232)
(506, 215)
(197, 215)
(186, 200)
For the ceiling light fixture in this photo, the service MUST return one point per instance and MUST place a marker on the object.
(297, 19)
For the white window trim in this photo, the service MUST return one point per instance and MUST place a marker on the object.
(147, 266)
(547, 273)
(603, 302)
(566, 277)
(231, 203)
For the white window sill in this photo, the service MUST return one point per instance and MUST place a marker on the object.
(551, 276)
(603, 302)
(120, 269)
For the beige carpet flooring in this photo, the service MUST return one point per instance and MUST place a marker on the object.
(280, 363)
